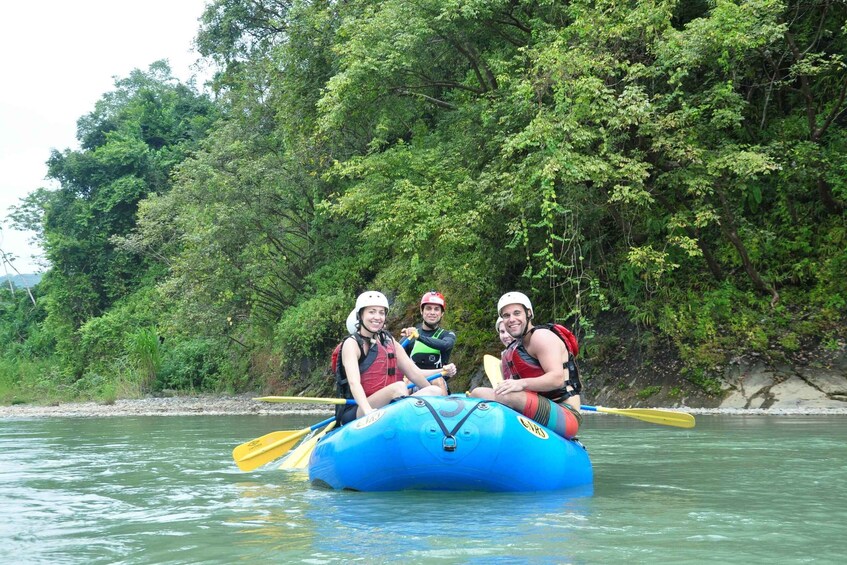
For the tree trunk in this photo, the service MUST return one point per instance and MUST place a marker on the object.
(708, 256)
(728, 226)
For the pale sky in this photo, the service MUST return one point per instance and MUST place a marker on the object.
(58, 58)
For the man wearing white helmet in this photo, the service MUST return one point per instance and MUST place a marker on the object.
(368, 363)
(539, 374)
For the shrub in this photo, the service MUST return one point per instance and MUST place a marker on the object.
(310, 329)
(194, 364)
(144, 350)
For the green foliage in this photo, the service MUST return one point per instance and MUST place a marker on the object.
(21, 334)
(600, 349)
(196, 365)
(682, 163)
(130, 144)
(309, 329)
(145, 350)
(233, 30)
(119, 333)
(648, 391)
(702, 379)
(30, 380)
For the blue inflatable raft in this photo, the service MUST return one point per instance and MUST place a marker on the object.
(448, 443)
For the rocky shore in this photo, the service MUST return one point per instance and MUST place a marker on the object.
(814, 383)
(206, 405)
(245, 405)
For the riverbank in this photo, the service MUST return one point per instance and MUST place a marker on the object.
(204, 405)
(245, 405)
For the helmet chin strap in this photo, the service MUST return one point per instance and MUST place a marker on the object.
(429, 326)
(362, 328)
(528, 320)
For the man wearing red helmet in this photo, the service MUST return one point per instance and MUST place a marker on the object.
(431, 348)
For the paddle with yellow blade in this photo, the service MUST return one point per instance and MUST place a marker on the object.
(255, 453)
(492, 370)
(258, 452)
(299, 457)
(652, 415)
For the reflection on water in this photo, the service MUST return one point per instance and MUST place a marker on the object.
(331, 525)
(165, 490)
(430, 523)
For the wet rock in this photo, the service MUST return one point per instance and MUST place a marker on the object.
(756, 385)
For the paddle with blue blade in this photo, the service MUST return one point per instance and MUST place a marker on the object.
(652, 415)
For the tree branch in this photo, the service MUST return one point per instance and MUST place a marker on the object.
(436, 101)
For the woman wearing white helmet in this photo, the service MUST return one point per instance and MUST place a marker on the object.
(539, 376)
(505, 338)
(367, 370)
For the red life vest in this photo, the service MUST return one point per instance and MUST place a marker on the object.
(517, 363)
(377, 369)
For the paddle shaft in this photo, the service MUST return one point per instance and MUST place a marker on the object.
(652, 415)
(299, 457)
(321, 400)
(255, 453)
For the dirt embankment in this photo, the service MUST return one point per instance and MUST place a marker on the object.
(632, 369)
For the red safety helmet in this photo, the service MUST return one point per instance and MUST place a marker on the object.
(433, 297)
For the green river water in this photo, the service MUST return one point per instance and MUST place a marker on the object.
(735, 489)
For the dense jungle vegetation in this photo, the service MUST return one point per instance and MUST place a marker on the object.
(680, 164)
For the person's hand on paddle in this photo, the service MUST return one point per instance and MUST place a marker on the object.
(449, 370)
(411, 333)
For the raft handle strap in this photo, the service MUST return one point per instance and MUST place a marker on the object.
(449, 443)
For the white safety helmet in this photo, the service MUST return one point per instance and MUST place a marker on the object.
(371, 298)
(497, 324)
(351, 322)
(515, 298)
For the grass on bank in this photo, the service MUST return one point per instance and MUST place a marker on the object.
(39, 381)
